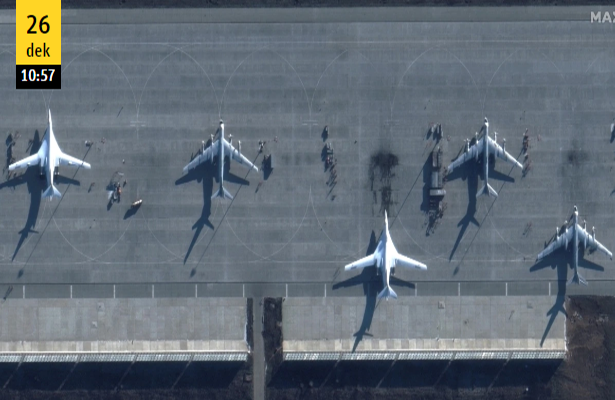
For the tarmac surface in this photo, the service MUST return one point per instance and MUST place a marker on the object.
(136, 326)
(422, 325)
(147, 95)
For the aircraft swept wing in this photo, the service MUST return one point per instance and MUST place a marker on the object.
(362, 263)
(407, 262)
(206, 155)
(575, 234)
(34, 159)
(65, 159)
(476, 149)
(499, 152)
(471, 153)
(237, 156)
(560, 241)
(385, 258)
(563, 240)
(48, 157)
(220, 148)
(484, 147)
(592, 243)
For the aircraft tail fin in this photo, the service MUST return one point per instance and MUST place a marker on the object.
(578, 279)
(52, 192)
(222, 192)
(387, 293)
(487, 190)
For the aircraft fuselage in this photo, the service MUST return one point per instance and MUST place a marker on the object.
(221, 155)
(575, 243)
(384, 262)
(486, 154)
(50, 149)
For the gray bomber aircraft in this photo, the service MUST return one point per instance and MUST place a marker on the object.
(385, 258)
(49, 157)
(219, 148)
(574, 235)
(486, 146)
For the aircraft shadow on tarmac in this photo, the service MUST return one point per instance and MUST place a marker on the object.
(228, 175)
(472, 172)
(372, 284)
(31, 177)
(469, 173)
(427, 169)
(205, 174)
(131, 212)
(561, 259)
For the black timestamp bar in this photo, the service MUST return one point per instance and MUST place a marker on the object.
(38, 77)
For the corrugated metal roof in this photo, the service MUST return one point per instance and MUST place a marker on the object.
(425, 355)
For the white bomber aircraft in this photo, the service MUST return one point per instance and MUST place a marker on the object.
(49, 157)
(486, 146)
(384, 258)
(574, 235)
(220, 147)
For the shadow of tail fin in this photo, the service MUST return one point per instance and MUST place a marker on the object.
(222, 192)
(487, 190)
(387, 293)
(52, 192)
(578, 279)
